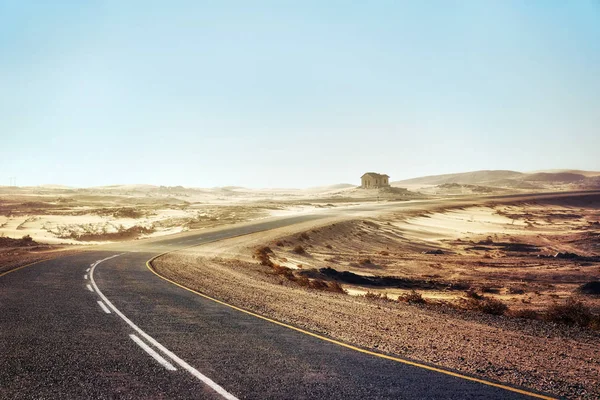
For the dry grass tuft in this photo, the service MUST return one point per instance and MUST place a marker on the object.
(413, 297)
(377, 296)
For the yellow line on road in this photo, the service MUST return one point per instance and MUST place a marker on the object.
(348, 346)
(23, 266)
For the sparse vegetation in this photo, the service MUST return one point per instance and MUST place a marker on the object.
(376, 296)
(299, 250)
(525, 313)
(486, 305)
(263, 255)
(572, 312)
(94, 232)
(471, 294)
(25, 241)
(413, 297)
(304, 236)
(301, 280)
(128, 212)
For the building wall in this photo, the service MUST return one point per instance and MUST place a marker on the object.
(371, 182)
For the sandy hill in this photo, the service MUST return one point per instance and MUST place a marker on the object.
(571, 171)
(564, 177)
(470, 178)
(539, 180)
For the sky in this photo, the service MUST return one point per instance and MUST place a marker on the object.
(294, 93)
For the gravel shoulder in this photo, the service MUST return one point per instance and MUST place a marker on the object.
(564, 361)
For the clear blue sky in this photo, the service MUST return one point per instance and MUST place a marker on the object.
(294, 93)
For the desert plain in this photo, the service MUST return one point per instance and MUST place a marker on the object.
(490, 273)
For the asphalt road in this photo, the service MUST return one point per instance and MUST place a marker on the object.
(79, 327)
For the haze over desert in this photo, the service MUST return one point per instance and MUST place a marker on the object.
(300, 200)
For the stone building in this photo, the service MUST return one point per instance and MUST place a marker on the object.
(372, 180)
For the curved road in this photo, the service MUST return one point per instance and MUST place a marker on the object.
(101, 325)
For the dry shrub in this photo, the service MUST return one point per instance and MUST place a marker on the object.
(318, 284)
(280, 243)
(372, 296)
(526, 313)
(493, 306)
(263, 255)
(572, 312)
(301, 280)
(412, 298)
(299, 250)
(365, 261)
(127, 212)
(515, 290)
(23, 242)
(489, 289)
(376, 296)
(335, 287)
(384, 253)
(283, 271)
(471, 294)
(329, 246)
(487, 306)
(303, 236)
(121, 234)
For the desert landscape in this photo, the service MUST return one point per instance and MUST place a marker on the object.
(300, 200)
(505, 290)
(480, 272)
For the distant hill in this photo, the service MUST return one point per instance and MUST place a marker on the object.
(571, 171)
(470, 178)
(563, 177)
(539, 180)
(57, 187)
(333, 187)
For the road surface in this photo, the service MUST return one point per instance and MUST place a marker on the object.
(100, 324)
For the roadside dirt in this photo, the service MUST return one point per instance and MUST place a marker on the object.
(15, 257)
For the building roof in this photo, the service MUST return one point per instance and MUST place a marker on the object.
(375, 175)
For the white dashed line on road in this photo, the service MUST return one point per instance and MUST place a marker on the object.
(85, 276)
(90, 288)
(104, 308)
(154, 354)
(206, 380)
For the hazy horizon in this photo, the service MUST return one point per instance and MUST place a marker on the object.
(348, 182)
(283, 95)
